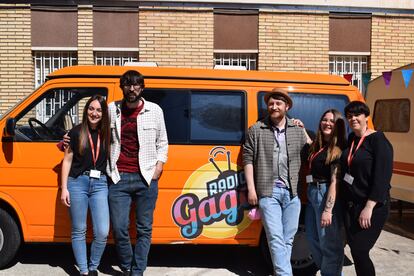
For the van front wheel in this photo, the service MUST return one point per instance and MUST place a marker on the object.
(9, 238)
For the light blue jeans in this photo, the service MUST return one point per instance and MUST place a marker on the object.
(89, 193)
(280, 218)
(325, 243)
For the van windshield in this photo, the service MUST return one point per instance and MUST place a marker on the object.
(308, 107)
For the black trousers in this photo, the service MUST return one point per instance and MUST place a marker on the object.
(362, 240)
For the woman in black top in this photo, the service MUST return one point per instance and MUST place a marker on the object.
(367, 169)
(323, 218)
(84, 184)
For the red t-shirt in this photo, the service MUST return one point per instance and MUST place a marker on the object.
(128, 158)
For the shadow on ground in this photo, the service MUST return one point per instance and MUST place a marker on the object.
(241, 260)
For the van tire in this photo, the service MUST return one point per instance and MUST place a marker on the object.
(10, 238)
(303, 267)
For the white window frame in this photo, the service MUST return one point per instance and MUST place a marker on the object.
(349, 63)
(45, 62)
(247, 59)
(117, 56)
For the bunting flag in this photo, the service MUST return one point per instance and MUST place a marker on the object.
(348, 77)
(366, 77)
(407, 76)
(387, 77)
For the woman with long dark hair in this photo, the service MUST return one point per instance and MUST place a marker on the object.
(84, 183)
(323, 217)
(367, 169)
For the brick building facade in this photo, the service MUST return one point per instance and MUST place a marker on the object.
(200, 34)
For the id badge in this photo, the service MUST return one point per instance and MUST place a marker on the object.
(94, 174)
(349, 178)
(309, 178)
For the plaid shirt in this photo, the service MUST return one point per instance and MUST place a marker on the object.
(152, 137)
(258, 151)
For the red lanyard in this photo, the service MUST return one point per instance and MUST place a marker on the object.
(313, 156)
(98, 147)
(350, 154)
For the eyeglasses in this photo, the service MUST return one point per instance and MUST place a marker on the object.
(135, 86)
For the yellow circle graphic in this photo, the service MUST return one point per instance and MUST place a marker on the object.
(197, 185)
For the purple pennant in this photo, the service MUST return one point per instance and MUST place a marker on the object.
(387, 77)
(407, 76)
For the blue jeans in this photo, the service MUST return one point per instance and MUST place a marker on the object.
(325, 243)
(132, 188)
(93, 193)
(280, 218)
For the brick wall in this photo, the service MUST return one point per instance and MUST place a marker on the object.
(392, 43)
(294, 41)
(16, 69)
(179, 37)
(85, 35)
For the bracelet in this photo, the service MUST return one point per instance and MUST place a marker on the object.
(324, 211)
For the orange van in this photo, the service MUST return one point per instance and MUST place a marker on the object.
(202, 192)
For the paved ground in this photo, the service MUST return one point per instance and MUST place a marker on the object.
(393, 255)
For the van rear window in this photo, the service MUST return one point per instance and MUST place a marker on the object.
(202, 116)
(392, 115)
(308, 107)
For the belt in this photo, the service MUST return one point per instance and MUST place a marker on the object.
(319, 182)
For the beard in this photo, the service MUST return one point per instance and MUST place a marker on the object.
(131, 97)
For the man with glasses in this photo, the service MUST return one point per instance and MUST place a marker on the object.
(138, 152)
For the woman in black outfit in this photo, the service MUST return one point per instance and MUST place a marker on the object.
(84, 184)
(366, 169)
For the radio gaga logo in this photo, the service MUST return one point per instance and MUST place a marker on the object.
(214, 199)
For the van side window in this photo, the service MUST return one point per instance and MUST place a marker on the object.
(202, 116)
(53, 114)
(392, 115)
(308, 107)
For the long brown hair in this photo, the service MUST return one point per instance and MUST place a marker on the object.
(103, 126)
(337, 142)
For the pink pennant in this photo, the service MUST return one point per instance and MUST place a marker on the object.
(348, 77)
(387, 77)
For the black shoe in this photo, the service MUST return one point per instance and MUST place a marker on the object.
(93, 273)
(126, 273)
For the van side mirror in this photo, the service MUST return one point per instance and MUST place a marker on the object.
(9, 130)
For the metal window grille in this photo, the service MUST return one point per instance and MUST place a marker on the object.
(44, 64)
(355, 65)
(114, 58)
(236, 59)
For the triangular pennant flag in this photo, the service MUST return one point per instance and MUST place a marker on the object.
(387, 77)
(348, 77)
(407, 73)
(366, 77)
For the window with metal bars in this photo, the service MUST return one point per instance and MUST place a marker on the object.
(355, 65)
(114, 58)
(247, 60)
(45, 62)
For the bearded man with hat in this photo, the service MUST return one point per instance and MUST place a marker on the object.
(272, 160)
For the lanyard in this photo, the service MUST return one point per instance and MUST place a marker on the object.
(350, 154)
(313, 156)
(94, 158)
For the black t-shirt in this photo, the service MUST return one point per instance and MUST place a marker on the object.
(321, 171)
(82, 163)
(371, 168)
